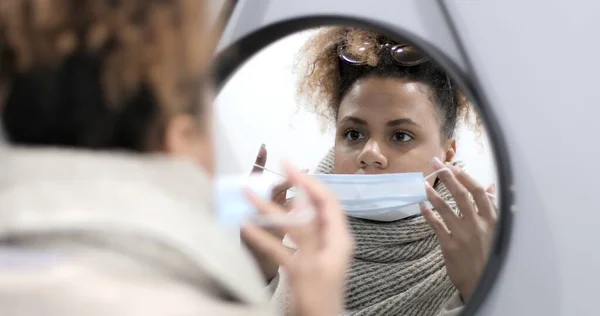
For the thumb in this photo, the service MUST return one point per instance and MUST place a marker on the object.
(261, 159)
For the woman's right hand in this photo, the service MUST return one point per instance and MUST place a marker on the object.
(266, 263)
(317, 270)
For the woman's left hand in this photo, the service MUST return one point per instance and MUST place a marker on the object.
(465, 240)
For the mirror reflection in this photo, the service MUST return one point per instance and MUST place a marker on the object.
(373, 119)
(109, 190)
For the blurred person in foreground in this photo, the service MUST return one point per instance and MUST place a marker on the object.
(105, 188)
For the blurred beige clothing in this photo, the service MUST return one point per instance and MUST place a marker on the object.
(92, 233)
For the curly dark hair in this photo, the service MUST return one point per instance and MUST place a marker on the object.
(326, 78)
(100, 74)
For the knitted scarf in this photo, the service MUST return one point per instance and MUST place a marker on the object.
(398, 267)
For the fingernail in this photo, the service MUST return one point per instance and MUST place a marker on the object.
(261, 150)
(304, 170)
(427, 185)
(423, 207)
(437, 164)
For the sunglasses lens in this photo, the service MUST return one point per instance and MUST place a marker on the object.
(408, 55)
(352, 57)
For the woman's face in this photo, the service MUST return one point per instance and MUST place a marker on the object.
(389, 125)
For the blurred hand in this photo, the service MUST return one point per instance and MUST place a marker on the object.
(465, 240)
(267, 264)
(317, 270)
(280, 190)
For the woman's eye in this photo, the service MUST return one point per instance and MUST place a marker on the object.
(353, 135)
(401, 137)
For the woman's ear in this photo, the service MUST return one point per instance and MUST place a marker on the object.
(185, 139)
(179, 135)
(191, 136)
(450, 150)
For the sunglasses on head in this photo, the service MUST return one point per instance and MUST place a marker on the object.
(403, 54)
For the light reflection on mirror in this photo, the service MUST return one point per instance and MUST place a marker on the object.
(398, 271)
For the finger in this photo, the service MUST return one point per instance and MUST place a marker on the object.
(287, 203)
(332, 222)
(316, 191)
(268, 209)
(482, 201)
(281, 198)
(479, 194)
(436, 224)
(266, 244)
(282, 188)
(319, 195)
(458, 191)
(301, 229)
(491, 193)
(491, 189)
(261, 159)
(274, 231)
(280, 191)
(450, 218)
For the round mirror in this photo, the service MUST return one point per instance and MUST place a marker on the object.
(382, 107)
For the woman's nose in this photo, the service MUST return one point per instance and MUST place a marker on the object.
(372, 156)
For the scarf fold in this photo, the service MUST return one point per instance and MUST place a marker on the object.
(398, 267)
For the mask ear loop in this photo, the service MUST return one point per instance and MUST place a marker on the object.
(436, 172)
(273, 172)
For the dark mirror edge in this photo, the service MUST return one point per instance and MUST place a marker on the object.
(229, 60)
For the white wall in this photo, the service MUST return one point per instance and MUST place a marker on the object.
(258, 105)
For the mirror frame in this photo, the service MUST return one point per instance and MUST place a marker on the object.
(229, 60)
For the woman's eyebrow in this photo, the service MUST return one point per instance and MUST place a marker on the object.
(353, 119)
(401, 121)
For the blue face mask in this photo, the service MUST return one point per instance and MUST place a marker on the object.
(234, 209)
(230, 196)
(384, 197)
(381, 197)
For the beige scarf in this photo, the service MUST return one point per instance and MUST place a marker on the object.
(398, 267)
